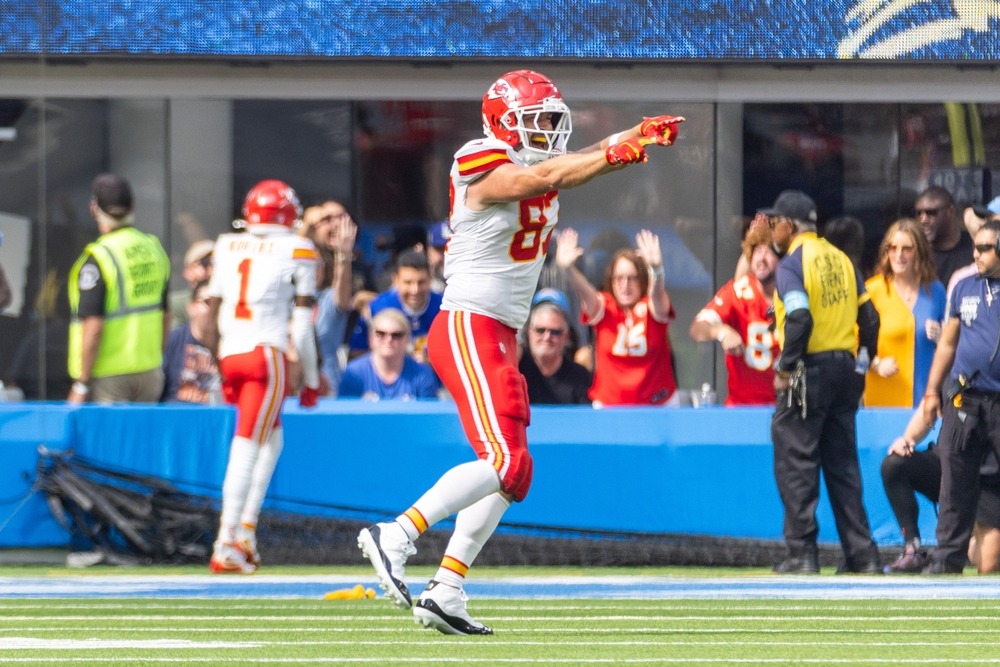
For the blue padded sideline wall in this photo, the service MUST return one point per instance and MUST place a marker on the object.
(705, 472)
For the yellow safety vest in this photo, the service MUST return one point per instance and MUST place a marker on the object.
(135, 270)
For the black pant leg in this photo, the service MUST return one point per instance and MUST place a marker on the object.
(842, 471)
(796, 473)
(961, 445)
(905, 476)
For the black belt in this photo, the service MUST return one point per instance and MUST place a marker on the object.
(829, 354)
(982, 395)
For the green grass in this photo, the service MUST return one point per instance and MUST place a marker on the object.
(248, 631)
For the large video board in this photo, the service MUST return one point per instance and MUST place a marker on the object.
(626, 30)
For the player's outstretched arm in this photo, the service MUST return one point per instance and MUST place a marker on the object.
(511, 182)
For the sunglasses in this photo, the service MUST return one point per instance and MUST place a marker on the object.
(541, 331)
(984, 247)
(395, 335)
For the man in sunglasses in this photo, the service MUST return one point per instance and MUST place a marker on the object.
(552, 377)
(963, 389)
(388, 372)
(935, 210)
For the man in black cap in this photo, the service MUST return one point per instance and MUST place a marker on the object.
(118, 302)
(818, 383)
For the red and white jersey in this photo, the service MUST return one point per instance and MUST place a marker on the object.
(493, 257)
(741, 305)
(632, 364)
(257, 275)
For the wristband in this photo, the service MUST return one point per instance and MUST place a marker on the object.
(80, 388)
(657, 272)
(875, 362)
(615, 138)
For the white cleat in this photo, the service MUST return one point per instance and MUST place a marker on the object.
(388, 557)
(229, 559)
(442, 607)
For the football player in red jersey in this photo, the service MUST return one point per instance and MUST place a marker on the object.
(504, 206)
(740, 317)
(263, 279)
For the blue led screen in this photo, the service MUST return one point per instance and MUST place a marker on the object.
(628, 30)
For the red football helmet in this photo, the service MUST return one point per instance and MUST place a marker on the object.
(272, 202)
(511, 109)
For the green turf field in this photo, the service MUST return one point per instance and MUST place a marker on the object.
(262, 631)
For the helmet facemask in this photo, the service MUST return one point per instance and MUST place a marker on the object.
(537, 144)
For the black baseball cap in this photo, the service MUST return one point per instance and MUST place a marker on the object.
(793, 204)
(113, 195)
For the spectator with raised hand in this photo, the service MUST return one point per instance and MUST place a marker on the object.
(333, 299)
(388, 372)
(630, 317)
(197, 269)
(910, 301)
(552, 377)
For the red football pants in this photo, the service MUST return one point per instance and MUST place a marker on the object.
(255, 383)
(476, 358)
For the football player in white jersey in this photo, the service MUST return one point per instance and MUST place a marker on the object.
(263, 279)
(504, 207)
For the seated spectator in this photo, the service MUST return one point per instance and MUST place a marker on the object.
(388, 372)
(552, 377)
(190, 371)
(410, 293)
(630, 317)
(907, 471)
(910, 302)
(197, 267)
(739, 317)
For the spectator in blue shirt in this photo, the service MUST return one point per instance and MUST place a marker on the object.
(388, 371)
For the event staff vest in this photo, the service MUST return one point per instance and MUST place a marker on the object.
(135, 270)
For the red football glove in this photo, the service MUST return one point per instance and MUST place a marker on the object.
(661, 130)
(628, 151)
(308, 397)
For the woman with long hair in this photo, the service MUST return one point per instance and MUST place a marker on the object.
(910, 301)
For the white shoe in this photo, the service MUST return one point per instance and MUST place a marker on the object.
(388, 557)
(442, 607)
(228, 559)
(247, 544)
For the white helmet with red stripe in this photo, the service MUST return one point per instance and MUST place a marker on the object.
(511, 110)
(272, 202)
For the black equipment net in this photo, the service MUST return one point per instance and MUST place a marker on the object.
(133, 518)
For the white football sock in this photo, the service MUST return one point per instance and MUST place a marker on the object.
(262, 473)
(457, 489)
(236, 485)
(473, 526)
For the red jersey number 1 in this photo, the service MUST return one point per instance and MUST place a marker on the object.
(242, 311)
